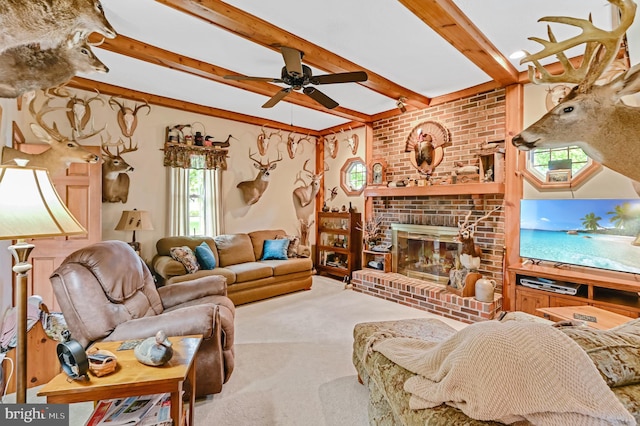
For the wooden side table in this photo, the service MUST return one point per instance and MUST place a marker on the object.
(132, 378)
(604, 319)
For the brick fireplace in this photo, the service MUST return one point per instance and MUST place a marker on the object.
(473, 121)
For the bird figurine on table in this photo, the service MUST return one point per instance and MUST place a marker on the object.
(155, 350)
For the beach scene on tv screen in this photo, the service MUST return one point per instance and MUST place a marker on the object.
(597, 233)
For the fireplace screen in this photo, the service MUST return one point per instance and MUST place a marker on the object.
(425, 252)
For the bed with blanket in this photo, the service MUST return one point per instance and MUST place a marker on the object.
(521, 370)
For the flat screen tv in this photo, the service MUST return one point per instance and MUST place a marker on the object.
(596, 233)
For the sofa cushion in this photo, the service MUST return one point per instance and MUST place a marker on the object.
(275, 249)
(184, 255)
(250, 271)
(234, 249)
(289, 266)
(258, 238)
(294, 242)
(614, 352)
(205, 256)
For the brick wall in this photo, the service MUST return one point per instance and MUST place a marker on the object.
(472, 121)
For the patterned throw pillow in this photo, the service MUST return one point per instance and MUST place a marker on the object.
(205, 256)
(294, 242)
(275, 249)
(614, 352)
(185, 256)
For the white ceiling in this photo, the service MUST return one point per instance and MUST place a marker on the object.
(379, 35)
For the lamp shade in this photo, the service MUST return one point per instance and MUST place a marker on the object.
(30, 207)
(134, 220)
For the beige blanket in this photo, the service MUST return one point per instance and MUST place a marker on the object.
(507, 372)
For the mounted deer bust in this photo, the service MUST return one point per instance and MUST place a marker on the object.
(252, 190)
(50, 23)
(115, 180)
(307, 193)
(27, 68)
(470, 253)
(591, 116)
(62, 152)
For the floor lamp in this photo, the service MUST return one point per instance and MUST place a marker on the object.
(30, 207)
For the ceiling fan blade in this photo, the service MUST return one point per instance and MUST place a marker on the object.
(277, 97)
(245, 77)
(320, 97)
(341, 77)
(292, 60)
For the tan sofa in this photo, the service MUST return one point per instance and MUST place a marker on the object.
(238, 260)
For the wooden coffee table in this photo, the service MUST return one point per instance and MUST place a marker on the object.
(604, 319)
(132, 378)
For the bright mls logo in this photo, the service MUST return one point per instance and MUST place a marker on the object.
(34, 414)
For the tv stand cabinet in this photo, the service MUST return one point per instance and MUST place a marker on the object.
(613, 291)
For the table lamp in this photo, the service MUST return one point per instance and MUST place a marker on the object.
(30, 207)
(135, 220)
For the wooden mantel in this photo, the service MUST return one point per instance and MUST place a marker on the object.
(434, 190)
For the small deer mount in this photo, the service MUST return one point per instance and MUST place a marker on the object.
(264, 139)
(351, 139)
(470, 253)
(127, 116)
(426, 143)
(331, 144)
(294, 146)
(79, 113)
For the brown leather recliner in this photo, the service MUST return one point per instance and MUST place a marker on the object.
(106, 292)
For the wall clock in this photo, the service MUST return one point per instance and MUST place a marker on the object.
(377, 168)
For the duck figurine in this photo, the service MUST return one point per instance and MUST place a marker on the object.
(155, 350)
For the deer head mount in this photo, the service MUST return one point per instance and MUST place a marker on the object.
(115, 181)
(252, 190)
(62, 150)
(466, 232)
(307, 193)
(27, 68)
(351, 139)
(37, 22)
(591, 116)
(128, 117)
(331, 143)
(79, 113)
(294, 146)
(264, 139)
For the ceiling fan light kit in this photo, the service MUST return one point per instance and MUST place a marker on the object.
(298, 76)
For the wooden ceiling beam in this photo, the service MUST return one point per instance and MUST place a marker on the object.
(138, 50)
(109, 89)
(262, 32)
(446, 19)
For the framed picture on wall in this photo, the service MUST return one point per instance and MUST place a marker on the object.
(559, 176)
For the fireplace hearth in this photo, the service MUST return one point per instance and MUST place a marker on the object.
(424, 252)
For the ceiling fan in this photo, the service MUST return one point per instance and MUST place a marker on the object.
(298, 76)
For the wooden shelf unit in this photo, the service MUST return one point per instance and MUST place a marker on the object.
(378, 256)
(613, 291)
(339, 243)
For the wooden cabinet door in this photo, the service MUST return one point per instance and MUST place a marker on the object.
(557, 302)
(529, 301)
(81, 190)
(621, 311)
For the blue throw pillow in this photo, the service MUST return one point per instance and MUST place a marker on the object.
(275, 249)
(205, 256)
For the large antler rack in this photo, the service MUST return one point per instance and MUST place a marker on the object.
(601, 48)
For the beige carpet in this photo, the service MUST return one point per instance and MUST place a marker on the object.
(293, 361)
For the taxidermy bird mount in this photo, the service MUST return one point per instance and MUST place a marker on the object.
(298, 76)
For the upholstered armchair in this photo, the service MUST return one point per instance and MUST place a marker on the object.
(106, 292)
